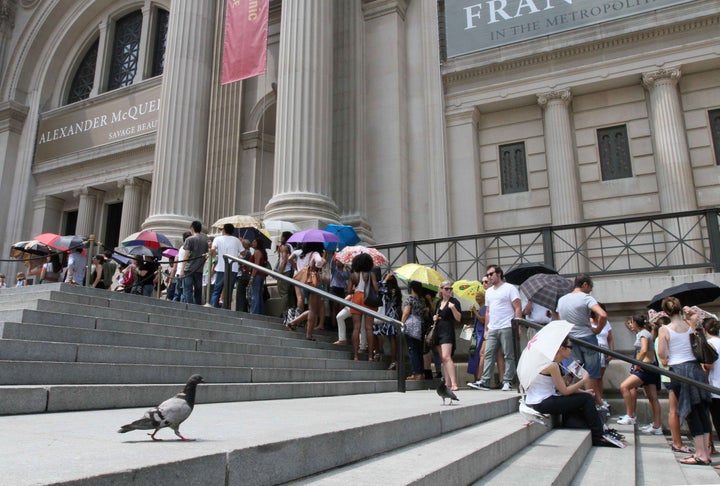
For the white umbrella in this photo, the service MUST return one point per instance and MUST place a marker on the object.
(278, 226)
(541, 350)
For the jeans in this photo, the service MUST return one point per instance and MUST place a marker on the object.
(148, 289)
(257, 306)
(192, 288)
(415, 351)
(495, 338)
(241, 302)
(179, 295)
(576, 406)
(218, 287)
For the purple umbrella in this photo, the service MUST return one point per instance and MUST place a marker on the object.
(314, 236)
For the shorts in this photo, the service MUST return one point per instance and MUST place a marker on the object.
(359, 298)
(587, 357)
(669, 386)
(647, 377)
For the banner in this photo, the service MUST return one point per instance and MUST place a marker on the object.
(245, 41)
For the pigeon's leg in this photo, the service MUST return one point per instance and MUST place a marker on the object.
(177, 432)
(152, 436)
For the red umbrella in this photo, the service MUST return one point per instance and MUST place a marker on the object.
(346, 255)
(150, 239)
(46, 238)
(58, 242)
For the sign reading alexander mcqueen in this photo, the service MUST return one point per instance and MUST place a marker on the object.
(97, 124)
(475, 25)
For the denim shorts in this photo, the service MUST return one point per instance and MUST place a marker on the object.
(590, 359)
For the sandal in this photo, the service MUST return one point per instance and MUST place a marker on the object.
(392, 366)
(694, 461)
(684, 449)
(340, 342)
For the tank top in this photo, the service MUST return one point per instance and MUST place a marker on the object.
(679, 347)
(541, 388)
(360, 287)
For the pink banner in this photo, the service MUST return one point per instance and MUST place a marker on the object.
(245, 41)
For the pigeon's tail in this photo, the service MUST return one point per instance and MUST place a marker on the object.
(142, 424)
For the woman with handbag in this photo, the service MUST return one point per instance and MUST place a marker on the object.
(674, 350)
(447, 313)
(640, 377)
(309, 263)
(412, 318)
(360, 279)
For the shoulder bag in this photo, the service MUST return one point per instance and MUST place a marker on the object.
(702, 350)
(308, 276)
(372, 298)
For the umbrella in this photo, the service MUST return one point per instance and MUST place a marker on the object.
(132, 251)
(170, 252)
(467, 290)
(545, 289)
(346, 255)
(427, 276)
(121, 259)
(239, 221)
(46, 238)
(314, 236)
(541, 350)
(519, 273)
(278, 226)
(150, 239)
(23, 249)
(69, 242)
(250, 233)
(347, 236)
(692, 293)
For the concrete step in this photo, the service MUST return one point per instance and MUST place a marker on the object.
(600, 461)
(260, 442)
(21, 350)
(458, 457)
(554, 458)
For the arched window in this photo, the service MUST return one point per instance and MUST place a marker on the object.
(125, 50)
(161, 28)
(82, 83)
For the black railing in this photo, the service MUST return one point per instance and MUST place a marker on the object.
(227, 295)
(647, 366)
(660, 243)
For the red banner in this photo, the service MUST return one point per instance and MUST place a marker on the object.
(245, 41)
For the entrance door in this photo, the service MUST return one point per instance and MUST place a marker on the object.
(112, 228)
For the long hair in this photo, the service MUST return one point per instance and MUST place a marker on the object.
(311, 247)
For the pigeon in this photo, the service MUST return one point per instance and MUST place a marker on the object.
(444, 393)
(533, 416)
(170, 413)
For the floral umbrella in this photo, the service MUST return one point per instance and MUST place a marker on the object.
(346, 255)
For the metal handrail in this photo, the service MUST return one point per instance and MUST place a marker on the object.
(647, 366)
(227, 295)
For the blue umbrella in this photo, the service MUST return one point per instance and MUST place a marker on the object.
(346, 234)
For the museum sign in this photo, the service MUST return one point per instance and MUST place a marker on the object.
(95, 124)
(477, 25)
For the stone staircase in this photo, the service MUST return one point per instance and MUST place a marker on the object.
(276, 408)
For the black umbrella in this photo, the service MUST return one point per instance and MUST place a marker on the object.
(133, 251)
(519, 273)
(692, 293)
(546, 289)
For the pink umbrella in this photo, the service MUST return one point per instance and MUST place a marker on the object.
(346, 255)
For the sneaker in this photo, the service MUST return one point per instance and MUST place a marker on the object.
(479, 385)
(649, 429)
(614, 433)
(627, 420)
(610, 441)
(606, 404)
(506, 387)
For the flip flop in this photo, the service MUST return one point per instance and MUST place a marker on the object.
(683, 449)
(694, 461)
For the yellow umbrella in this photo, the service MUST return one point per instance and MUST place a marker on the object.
(467, 290)
(427, 276)
(239, 221)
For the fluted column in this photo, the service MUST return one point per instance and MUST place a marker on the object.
(47, 214)
(672, 163)
(563, 180)
(179, 172)
(132, 203)
(301, 182)
(87, 208)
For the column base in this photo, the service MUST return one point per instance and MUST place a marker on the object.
(171, 225)
(302, 206)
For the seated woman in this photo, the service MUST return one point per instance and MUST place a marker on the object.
(549, 394)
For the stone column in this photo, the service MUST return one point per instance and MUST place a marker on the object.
(301, 182)
(47, 214)
(87, 209)
(132, 203)
(672, 164)
(179, 171)
(563, 179)
(102, 65)
(145, 42)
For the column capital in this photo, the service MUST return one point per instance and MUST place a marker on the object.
(87, 192)
(564, 95)
(463, 117)
(378, 8)
(12, 116)
(662, 76)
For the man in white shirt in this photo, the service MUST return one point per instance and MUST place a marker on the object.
(226, 244)
(503, 304)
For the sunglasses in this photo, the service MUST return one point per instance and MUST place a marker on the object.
(446, 288)
(489, 274)
(485, 281)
